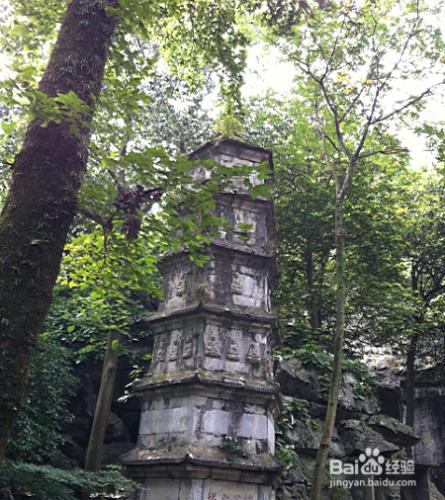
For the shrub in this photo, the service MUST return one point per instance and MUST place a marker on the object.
(40, 482)
(37, 430)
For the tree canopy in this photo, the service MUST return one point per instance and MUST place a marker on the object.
(100, 103)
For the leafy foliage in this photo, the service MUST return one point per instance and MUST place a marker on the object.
(44, 482)
(376, 224)
(37, 430)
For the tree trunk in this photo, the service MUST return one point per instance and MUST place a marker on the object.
(409, 493)
(41, 202)
(411, 381)
(93, 460)
(312, 302)
(411, 355)
(335, 385)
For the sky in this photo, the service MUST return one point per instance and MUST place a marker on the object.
(268, 70)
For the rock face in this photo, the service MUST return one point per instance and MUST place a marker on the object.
(301, 381)
(360, 426)
(393, 430)
(429, 423)
(209, 401)
(122, 426)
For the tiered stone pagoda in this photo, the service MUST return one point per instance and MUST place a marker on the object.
(209, 400)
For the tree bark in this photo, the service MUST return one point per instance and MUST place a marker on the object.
(411, 381)
(318, 477)
(312, 302)
(93, 460)
(411, 356)
(41, 202)
(409, 493)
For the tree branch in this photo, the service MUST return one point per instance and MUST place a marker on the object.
(107, 224)
(390, 151)
(408, 103)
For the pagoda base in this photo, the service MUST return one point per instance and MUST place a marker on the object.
(203, 489)
(202, 474)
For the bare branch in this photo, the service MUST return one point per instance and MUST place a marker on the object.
(373, 68)
(324, 135)
(334, 48)
(404, 48)
(106, 224)
(408, 103)
(334, 112)
(390, 151)
(351, 106)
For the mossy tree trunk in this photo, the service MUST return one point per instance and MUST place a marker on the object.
(41, 202)
(411, 381)
(335, 382)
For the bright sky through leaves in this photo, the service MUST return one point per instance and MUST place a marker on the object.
(267, 70)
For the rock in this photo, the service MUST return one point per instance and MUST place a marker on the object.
(435, 494)
(337, 493)
(72, 450)
(390, 401)
(389, 378)
(297, 380)
(116, 430)
(429, 425)
(356, 436)
(304, 382)
(62, 461)
(438, 478)
(306, 435)
(129, 412)
(292, 491)
(316, 410)
(393, 430)
(113, 451)
(293, 485)
(350, 403)
(79, 430)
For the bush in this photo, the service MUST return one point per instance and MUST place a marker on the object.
(37, 430)
(40, 482)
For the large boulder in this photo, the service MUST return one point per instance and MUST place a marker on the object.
(393, 430)
(389, 377)
(116, 430)
(429, 424)
(306, 436)
(351, 402)
(298, 380)
(357, 436)
(302, 381)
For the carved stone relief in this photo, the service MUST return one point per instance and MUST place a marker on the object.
(162, 349)
(269, 362)
(253, 354)
(174, 349)
(180, 287)
(236, 286)
(232, 351)
(244, 234)
(212, 348)
(187, 351)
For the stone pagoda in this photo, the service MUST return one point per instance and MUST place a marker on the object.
(209, 400)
